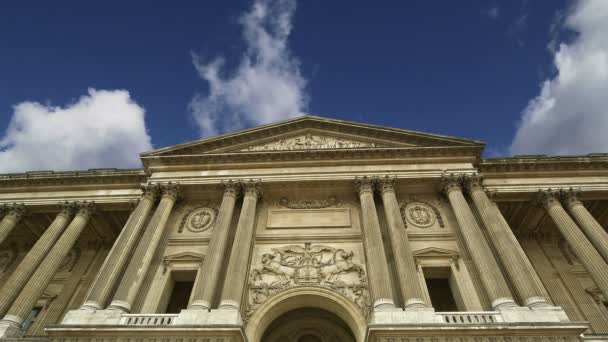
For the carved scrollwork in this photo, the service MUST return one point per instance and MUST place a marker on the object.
(421, 214)
(198, 219)
(310, 142)
(332, 201)
(308, 265)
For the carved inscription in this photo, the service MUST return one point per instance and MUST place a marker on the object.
(308, 265)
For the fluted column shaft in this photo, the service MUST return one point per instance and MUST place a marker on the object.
(208, 278)
(34, 257)
(139, 265)
(512, 256)
(377, 270)
(586, 221)
(409, 284)
(22, 306)
(10, 220)
(115, 263)
(491, 276)
(236, 274)
(584, 250)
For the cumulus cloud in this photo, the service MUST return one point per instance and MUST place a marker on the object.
(265, 87)
(104, 128)
(570, 115)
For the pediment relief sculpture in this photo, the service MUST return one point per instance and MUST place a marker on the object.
(309, 265)
(198, 219)
(420, 214)
(310, 142)
(331, 201)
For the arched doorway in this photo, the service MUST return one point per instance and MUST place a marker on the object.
(308, 325)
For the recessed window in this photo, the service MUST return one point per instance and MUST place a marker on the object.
(183, 282)
(31, 318)
(439, 283)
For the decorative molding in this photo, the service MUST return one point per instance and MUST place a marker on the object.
(96, 176)
(184, 257)
(198, 219)
(310, 142)
(597, 295)
(309, 265)
(434, 253)
(331, 201)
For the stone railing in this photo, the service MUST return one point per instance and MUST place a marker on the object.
(147, 319)
(469, 317)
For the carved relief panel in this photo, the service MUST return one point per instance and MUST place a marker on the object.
(421, 213)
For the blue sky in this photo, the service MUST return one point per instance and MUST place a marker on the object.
(463, 68)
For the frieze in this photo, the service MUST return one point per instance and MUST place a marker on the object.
(156, 338)
(475, 338)
(310, 142)
(420, 213)
(309, 265)
(198, 219)
(332, 201)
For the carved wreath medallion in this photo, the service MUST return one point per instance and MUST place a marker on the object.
(199, 219)
(308, 265)
(420, 214)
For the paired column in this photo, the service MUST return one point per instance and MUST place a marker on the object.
(491, 276)
(34, 257)
(409, 285)
(113, 267)
(208, 278)
(10, 220)
(588, 255)
(589, 225)
(377, 269)
(513, 259)
(43, 275)
(136, 272)
(236, 274)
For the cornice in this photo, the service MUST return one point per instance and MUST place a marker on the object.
(495, 167)
(90, 177)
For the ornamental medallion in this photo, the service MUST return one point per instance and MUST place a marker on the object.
(420, 214)
(200, 219)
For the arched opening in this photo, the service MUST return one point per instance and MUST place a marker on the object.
(308, 325)
(341, 309)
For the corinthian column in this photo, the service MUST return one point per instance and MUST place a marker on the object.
(34, 257)
(113, 267)
(236, 274)
(491, 277)
(10, 220)
(584, 250)
(135, 274)
(208, 278)
(43, 275)
(409, 284)
(377, 269)
(512, 256)
(592, 228)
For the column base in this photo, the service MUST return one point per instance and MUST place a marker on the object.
(384, 304)
(415, 304)
(200, 305)
(10, 329)
(121, 306)
(533, 302)
(505, 302)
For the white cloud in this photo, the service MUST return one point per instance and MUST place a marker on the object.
(492, 12)
(266, 86)
(570, 116)
(105, 128)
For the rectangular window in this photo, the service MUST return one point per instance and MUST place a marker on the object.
(183, 282)
(439, 285)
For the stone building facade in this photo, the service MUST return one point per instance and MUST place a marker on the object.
(309, 230)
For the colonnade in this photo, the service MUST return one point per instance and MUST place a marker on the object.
(121, 276)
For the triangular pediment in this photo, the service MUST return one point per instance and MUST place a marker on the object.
(434, 252)
(184, 257)
(311, 133)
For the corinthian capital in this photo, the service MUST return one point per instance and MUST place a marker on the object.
(231, 188)
(386, 184)
(547, 198)
(67, 208)
(151, 191)
(171, 190)
(364, 184)
(473, 182)
(16, 211)
(85, 208)
(252, 188)
(570, 196)
(451, 182)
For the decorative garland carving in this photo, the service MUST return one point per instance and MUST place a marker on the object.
(310, 265)
(597, 295)
(198, 219)
(420, 213)
(310, 142)
(308, 204)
